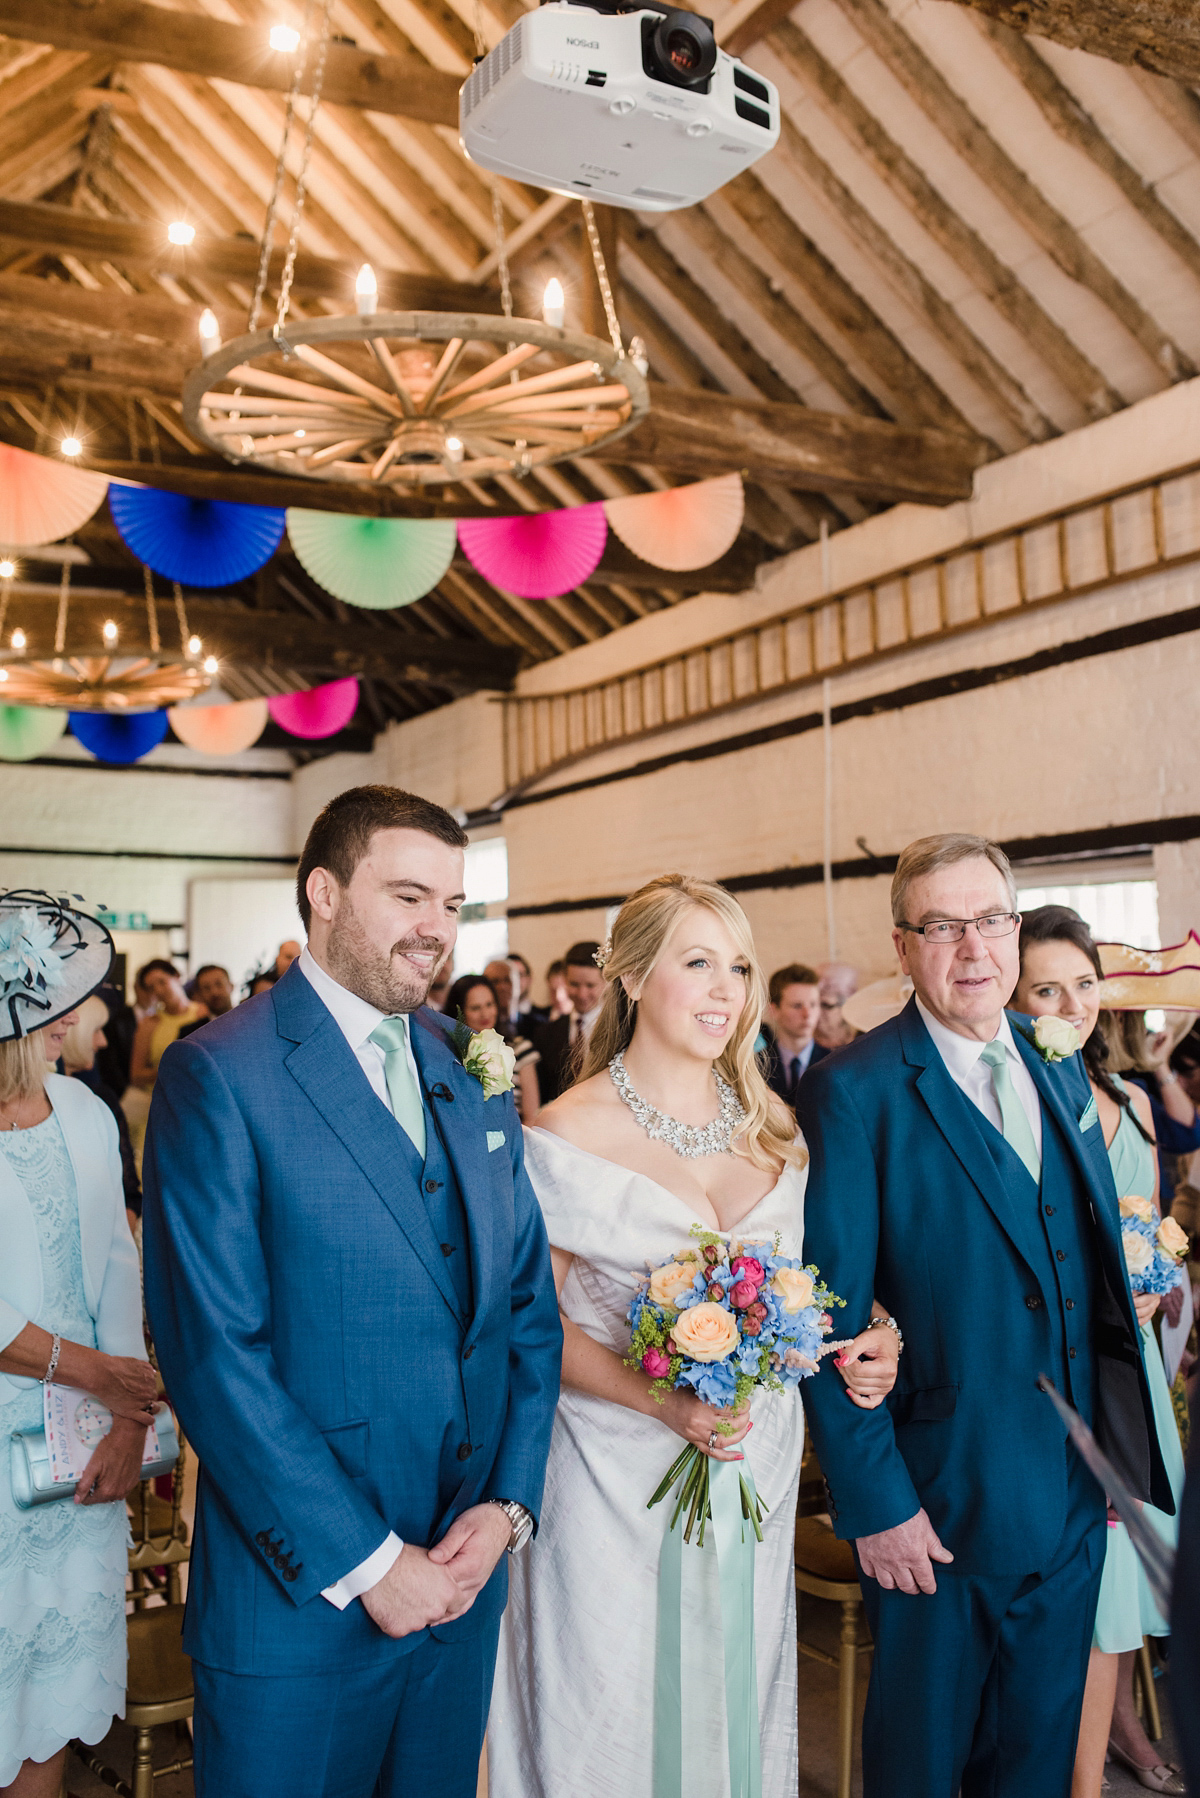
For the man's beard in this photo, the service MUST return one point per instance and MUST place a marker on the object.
(357, 964)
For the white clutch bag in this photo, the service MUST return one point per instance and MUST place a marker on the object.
(33, 1472)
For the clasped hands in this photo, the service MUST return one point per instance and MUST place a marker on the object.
(437, 1585)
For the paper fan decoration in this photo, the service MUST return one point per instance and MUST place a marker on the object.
(682, 527)
(320, 712)
(540, 554)
(119, 737)
(372, 562)
(204, 542)
(220, 729)
(42, 500)
(27, 730)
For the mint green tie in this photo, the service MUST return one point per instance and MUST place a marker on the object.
(1018, 1131)
(405, 1094)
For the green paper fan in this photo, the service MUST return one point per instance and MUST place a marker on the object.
(28, 730)
(373, 562)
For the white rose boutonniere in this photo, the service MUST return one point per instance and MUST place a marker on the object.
(489, 1058)
(1057, 1039)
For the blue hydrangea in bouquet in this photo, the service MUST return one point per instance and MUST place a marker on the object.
(1155, 1248)
(727, 1318)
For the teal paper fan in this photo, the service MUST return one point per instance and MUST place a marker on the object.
(377, 563)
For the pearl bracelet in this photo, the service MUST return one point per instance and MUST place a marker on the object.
(52, 1369)
(888, 1323)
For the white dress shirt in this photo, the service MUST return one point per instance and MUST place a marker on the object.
(974, 1077)
(356, 1019)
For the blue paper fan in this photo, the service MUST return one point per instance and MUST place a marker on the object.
(119, 736)
(373, 562)
(203, 542)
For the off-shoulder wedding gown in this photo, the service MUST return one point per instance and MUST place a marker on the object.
(573, 1707)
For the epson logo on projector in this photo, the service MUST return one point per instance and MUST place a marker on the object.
(657, 121)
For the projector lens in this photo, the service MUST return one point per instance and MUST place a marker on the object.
(681, 49)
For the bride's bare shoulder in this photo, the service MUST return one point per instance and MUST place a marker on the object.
(583, 1115)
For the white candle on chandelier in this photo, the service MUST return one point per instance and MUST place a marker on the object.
(210, 332)
(18, 639)
(285, 38)
(211, 664)
(7, 569)
(71, 446)
(110, 632)
(553, 303)
(366, 291)
(454, 449)
(194, 646)
(180, 232)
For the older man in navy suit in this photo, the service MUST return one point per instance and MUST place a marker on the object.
(351, 1296)
(962, 1178)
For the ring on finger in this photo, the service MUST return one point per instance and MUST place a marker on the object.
(712, 1439)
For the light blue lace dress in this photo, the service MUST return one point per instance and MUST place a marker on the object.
(62, 1565)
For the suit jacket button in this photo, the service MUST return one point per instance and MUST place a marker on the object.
(1033, 1301)
(291, 1573)
(1070, 1304)
(464, 1451)
(468, 1352)
(1071, 1352)
(262, 1538)
(1061, 1253)
(1049, 1211)
(432, 1185)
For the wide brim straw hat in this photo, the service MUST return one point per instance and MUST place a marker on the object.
(52, 957)
(875, 1004)
(1151, 979)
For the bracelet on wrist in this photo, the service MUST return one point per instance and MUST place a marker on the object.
(889, 1323)
(52, 1365)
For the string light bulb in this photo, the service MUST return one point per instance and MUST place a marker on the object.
(211, 664)
(454, 449)
(18, 639)
(7, 569)
(3, 675)
(180, 232)
(553, 302)
(110, 632)
(210, 332)
(194, 646)
(71, 446)
(285, 38)
(366, 291)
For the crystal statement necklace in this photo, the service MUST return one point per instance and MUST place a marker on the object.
(688, 1140)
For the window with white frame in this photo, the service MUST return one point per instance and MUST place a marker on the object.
(483, 929)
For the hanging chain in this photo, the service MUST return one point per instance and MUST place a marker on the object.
(289, 264)
(502, 252)
(151, 610)
(7, 585)
(264, 257)
(606, 294)
(181, 615)
(60, 627)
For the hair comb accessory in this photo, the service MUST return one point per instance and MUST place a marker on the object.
(603, 955)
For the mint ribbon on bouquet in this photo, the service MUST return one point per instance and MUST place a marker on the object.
(725, 1490)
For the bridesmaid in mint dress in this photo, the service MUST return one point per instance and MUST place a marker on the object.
(1061, 975)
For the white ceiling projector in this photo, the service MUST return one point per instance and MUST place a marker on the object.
(637, 109)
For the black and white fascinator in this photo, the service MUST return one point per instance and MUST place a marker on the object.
(52, 957)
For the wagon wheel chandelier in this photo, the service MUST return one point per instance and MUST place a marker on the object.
(405, 400)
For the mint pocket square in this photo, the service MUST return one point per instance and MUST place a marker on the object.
(1090, 1115)
(496, 1138)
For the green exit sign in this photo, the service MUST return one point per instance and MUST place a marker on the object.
(127, 920)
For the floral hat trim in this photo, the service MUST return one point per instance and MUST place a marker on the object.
(52, 957)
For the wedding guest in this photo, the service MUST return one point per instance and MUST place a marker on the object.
(123, 1020)
(839, 982)
(78, 1040)
(574, 1709)
(560, 998)
(562, 1041)
(159, 1030)
(288, 952)
(526, 1012)
(1061, 976)
(475, 1000)
(70, 1313)
(1145, 1057)
(793, 1012)
(500, 975)
(213, 989)
(261, 982)
(957, 1177)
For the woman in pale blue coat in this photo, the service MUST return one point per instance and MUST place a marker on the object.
(71, 1313)
(1061, 976)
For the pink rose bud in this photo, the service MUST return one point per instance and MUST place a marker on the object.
(656, 1364)
(716, 1292)
(759, 1310)
(743, 1294)
(751, 1325)
(750, 1269)
(670, 1346)
(710, 1254)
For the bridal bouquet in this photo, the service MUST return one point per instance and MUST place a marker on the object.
(729, 1319)
(1154, 1249)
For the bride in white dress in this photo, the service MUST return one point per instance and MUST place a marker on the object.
(621, 1181)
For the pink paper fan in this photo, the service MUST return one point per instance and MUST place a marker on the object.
(41, 500)
(320, 712)
(682, 527)
(538, 555)
(220, 729)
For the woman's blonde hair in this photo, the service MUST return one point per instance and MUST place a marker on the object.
(639, 936)
(77, 1050)
(1128, 1040)
(22, 1068)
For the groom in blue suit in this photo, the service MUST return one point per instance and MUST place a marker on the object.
(350, 1292)
(962, 1179)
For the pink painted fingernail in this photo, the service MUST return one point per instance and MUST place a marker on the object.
(1112, 1523)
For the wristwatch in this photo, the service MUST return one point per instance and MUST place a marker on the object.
(520, 1519)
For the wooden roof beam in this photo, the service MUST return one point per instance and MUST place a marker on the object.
(197, 44)
(1164, 38)
(958, 124)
